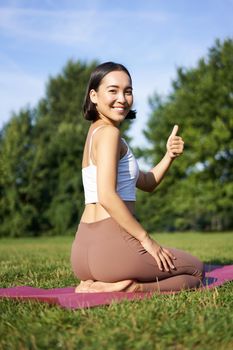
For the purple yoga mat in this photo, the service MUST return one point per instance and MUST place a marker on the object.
(67, 298)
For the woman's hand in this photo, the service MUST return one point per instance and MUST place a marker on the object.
(175, 144)
(162, 256)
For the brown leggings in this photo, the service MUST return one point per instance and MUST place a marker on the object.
(104, 251)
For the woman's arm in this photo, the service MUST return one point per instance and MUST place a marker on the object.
(150, 180)
(107, 157)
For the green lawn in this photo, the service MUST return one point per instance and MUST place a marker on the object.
(189, 320)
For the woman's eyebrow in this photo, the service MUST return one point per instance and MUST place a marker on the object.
(116, 86)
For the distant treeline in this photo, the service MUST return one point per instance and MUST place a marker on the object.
(41, 153)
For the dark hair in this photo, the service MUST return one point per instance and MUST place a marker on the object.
(89, 108)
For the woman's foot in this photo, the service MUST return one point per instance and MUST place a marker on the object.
(134, 287)
(91, 286)
(83, 286)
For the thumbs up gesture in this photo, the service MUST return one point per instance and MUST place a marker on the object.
(175, 144)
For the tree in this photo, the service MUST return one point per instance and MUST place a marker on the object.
(198, 191)
(16, 211)
(60, 131)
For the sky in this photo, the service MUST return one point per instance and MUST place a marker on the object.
(152, 38)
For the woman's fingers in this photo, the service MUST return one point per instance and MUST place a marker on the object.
(176, 148)
(176, 139)
(162, 256)
(164, 261)
(177, 145)
(157, 259)
(169, 253)
(169, 261)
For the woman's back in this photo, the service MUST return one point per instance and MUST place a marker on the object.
(94, 211)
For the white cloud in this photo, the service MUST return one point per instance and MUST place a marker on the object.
(66, 28)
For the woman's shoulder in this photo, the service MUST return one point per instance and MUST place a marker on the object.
(106, 131)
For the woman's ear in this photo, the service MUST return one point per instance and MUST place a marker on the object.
(93, 96)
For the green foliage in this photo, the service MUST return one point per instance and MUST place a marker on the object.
(197, 192)
(16, 155)
(188, 320)
(41, 153)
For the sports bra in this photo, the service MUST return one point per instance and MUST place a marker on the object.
(127, 175)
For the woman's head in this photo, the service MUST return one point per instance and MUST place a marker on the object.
(109, 91)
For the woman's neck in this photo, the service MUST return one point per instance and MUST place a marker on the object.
(105, 121)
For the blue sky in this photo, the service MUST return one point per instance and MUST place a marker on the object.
(151, 37)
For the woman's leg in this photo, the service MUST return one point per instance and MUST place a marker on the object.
(175, 283)
(172, 284)
(188, 274)
(105, 253)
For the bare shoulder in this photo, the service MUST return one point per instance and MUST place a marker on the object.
(108, 133)
(106, 141)
(109, 130)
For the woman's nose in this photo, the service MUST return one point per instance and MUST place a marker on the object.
(121, 97)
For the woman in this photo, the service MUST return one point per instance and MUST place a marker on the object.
(111, 250)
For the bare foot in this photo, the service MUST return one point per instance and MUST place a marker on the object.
(83, 286)
(134, 287)
(91, 286)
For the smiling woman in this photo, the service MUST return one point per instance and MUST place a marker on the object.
(108, 87)
(111, 250)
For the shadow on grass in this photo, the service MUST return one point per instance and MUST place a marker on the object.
(217, 265)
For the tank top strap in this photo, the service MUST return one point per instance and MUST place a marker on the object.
(90, 143)
(122, 138)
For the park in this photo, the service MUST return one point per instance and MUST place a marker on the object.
(42, 200)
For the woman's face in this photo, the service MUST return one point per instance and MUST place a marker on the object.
(114, 97)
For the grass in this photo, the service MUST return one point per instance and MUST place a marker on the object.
(189, 320)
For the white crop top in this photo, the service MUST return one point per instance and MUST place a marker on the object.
(127, 175)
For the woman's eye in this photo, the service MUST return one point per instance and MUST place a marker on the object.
(128, 92)
(112, 91)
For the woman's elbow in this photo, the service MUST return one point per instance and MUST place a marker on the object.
(148, 182)
(106, 198)
(147, 189)
(151, 188)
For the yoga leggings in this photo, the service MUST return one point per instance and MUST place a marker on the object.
(104, 251)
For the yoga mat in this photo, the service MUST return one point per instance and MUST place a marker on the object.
(67, 298)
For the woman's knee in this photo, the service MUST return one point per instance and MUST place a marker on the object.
(200, 270)
(186, 263)
(192, 282)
